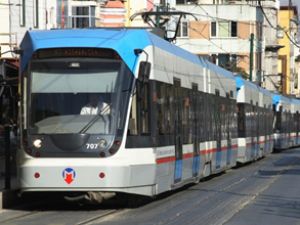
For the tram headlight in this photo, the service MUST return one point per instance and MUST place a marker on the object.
(37, 143)
(102, 143)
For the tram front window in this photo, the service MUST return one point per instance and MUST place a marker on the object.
(78, 95)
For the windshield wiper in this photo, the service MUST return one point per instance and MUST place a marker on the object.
(95, 119)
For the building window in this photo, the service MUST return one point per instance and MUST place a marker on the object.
(213, 29)
(223, 29)
(22, 13)
(186, 1)
(223, 60)
(183, 29)
(36, 13)
(83, 16)
(233, 29)
(227, 61)
(213, 58)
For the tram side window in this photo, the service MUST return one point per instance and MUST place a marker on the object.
(223, 115)
(170, 109)
(204, 119)
(278, 120)
(288, 122)
(139, 115)
(241, 120)
(192, 117)
(164, 109)
(200, 115)
(248, 120)
(271, 119)
(216, 120)
(294, 122)
(210, 115)
(235, 119)
(260, 124)
(161, 102)
(297, 121)
(187, 135)
(256, 120)
(253, 121)
(267, 113)
(264, 121)
(132, 128)
(232, 120)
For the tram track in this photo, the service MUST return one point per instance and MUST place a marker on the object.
(13, 218)
(102, 214)
(215, 201)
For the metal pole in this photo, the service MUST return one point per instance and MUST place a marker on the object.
(7, 156)
(251, 56)
(157, 17)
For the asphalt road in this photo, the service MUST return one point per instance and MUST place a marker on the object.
(265, 192)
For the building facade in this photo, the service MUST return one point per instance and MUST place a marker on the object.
(288, 22)
(270, 77)
(18, 16)
(237, 40)
(101, 13)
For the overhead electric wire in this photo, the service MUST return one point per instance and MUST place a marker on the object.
(264, 14)
(278, 28)
(216, 45)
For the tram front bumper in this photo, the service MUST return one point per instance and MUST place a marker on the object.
(86, 175)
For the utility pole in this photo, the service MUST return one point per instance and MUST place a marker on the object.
(251, 56)
(160, 8)
(160, 18)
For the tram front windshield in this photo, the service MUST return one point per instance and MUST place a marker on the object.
(78, 95)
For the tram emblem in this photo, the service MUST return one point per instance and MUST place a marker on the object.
(69, 175)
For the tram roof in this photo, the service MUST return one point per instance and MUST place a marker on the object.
(266, 92)
(240, 82)
(122, 40)
(280, 98)
(217, 69)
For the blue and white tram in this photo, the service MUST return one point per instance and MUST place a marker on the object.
(266, 117)
(255, 121)
(295, 127)
(170, 117)
(248, 126)
(283, 121)
(224, 145)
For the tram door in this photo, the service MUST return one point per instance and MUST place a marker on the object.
(178, 131)
(195, 125)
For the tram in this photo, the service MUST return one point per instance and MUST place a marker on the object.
(166, 117)
(286, 132)
(255, 121)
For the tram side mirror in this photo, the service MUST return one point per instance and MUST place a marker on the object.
(144, 71)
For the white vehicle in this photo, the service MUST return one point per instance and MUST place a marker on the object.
(171, 116)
